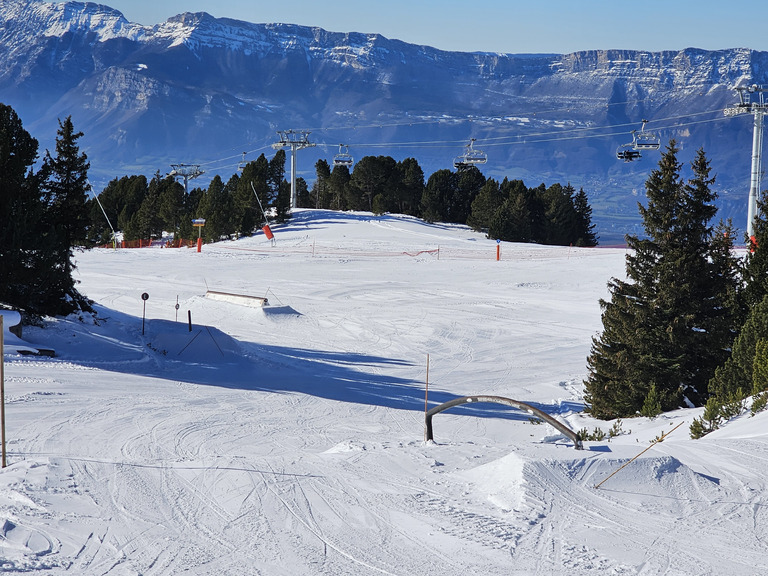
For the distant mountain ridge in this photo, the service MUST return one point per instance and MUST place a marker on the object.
(200, 89)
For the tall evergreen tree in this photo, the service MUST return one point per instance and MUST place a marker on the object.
(512, 221)
(485, 205)
(666, 326)
(65, 190)
(321, 196)
(283, 202)
(43, 216)
(469, 182)
(216, 207)
(371, 175)
(560, 227)
(438, 194)
(64, 179)
(66, 185)
(585, 229)
(755, 271)
(737, 371)
(338, 184)
(21, 213)
(170, 204)
(410, 187)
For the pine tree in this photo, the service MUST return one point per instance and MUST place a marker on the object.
(585, 228)
(283, 202)
(410, 187)
(216, 207)
(257, 175)
(170, 204)
(755, 272)
(21, 213)
(760, 367)
(485, 205)
(468, 185)
(435, 201)
(668, 324)
(64, 187)
(560, 224)
(737, 371)
(321, 188)
(512, 221)
(338, 184)
(372, 175)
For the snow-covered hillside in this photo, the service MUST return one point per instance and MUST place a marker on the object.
(288, 439)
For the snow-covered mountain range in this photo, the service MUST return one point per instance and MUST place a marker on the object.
(204, 90)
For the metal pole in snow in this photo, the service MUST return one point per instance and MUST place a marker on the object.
(754, 188)
(426, 394)
(2, 386)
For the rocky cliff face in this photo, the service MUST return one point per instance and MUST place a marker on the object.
(200, 89)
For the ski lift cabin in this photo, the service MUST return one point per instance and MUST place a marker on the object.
(471, 157)
(343, 158)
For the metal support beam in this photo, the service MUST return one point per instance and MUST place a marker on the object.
(295, 140)
(187, 172)
(752, 101)
(554, 422)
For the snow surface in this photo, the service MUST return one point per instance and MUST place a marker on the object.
(288, 439)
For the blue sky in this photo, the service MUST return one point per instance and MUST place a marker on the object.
(512, 26)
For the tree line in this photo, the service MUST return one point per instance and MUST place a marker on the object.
(689, 324)
(144, 210)
(506, 210)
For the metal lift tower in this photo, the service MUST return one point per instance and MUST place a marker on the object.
(296, 140)
(186, 171)
(752, 101)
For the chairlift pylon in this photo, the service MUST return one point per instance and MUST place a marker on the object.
(241, 165)
(470, 157)
(343, 158)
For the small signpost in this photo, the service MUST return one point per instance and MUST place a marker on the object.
(144, 297)
(199, 223)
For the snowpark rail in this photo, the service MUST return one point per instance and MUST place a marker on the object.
(551, 420)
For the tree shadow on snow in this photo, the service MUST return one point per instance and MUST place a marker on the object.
(207, 356)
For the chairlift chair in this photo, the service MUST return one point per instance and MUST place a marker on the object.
(645, 140)
(471, 157)
(343, 158)
(627, 153)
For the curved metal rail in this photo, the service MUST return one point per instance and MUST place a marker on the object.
(509, 402)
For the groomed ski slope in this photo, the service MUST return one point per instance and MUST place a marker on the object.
(288, 440)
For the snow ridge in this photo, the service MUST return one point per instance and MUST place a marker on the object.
(34, 18)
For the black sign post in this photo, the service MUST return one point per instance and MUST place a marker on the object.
(144, 297)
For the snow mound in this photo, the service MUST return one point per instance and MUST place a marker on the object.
(502, 481)
(528, 484)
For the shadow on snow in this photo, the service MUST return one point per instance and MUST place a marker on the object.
(207, 356)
